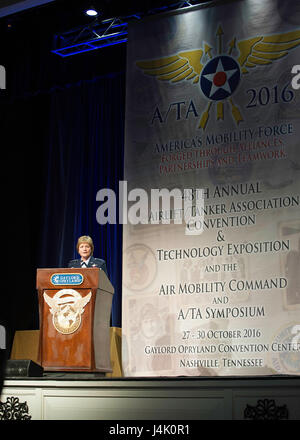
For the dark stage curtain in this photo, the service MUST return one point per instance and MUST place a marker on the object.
(61, 147)
(85, 154)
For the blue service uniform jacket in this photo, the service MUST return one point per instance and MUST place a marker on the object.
(94, 262)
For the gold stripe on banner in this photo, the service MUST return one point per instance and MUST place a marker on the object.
(220, 110)
(235, 112)
(205, 117)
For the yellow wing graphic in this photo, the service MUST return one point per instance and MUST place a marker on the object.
(175, 68)
(259, 51)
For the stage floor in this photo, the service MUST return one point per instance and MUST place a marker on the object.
(86, 396)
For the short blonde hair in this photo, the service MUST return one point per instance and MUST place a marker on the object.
(85, 239)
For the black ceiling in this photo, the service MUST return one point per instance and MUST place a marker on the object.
(27, 40)
(61, 15)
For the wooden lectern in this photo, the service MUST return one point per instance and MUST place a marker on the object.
(74, 309)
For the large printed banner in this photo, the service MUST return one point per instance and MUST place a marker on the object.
(210, 106)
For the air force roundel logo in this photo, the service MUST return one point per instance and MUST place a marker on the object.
(217, 71)
(220, 77)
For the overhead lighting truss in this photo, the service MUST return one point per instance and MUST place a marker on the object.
(96, 35)
(99, 34)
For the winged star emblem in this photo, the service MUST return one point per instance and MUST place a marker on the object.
(66, 307)
(220, 75)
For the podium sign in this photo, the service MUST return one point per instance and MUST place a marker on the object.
(74, 310)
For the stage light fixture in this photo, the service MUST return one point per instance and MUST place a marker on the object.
(91, 12)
